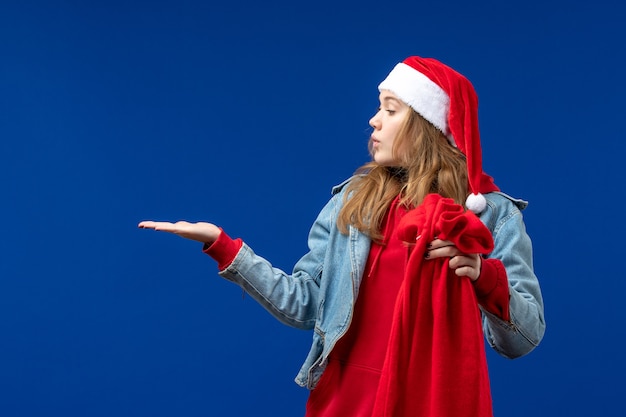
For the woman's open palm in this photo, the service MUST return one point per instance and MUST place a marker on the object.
(201, 231)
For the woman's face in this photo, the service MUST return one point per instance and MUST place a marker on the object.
(386, 124)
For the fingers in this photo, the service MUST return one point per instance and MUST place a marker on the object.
(440, 249)
(148, 224)
(160, 226)
(464, 265)
(179, 228)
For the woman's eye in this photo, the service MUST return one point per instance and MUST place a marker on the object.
(391, 112)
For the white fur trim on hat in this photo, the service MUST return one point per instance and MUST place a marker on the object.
(420, 93)
(476, 203)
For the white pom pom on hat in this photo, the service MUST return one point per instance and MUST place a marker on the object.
(476, 203)
(447, 100)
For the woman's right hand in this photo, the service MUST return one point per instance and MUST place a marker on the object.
(201, 231)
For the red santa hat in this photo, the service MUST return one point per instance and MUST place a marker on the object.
(447, 100)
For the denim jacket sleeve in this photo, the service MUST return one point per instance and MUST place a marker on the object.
(292, 298)
(513, 247)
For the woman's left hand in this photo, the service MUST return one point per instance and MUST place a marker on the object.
(464, 265)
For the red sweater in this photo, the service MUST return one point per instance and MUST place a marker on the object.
(349, 383)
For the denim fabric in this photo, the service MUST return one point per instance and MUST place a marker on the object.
(320, 292)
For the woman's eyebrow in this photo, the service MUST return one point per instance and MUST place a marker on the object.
(386, 99)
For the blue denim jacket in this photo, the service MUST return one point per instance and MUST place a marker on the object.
(320, 292)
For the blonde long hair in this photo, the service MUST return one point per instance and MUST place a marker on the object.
(428, 163)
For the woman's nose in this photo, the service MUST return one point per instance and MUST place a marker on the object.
(375, 122)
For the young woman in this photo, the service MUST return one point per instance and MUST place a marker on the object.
(385, 341)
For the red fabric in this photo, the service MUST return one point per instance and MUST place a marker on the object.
(492, 288)
(223, 250)
(435, 364)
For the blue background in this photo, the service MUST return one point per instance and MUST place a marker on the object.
(245, 114)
